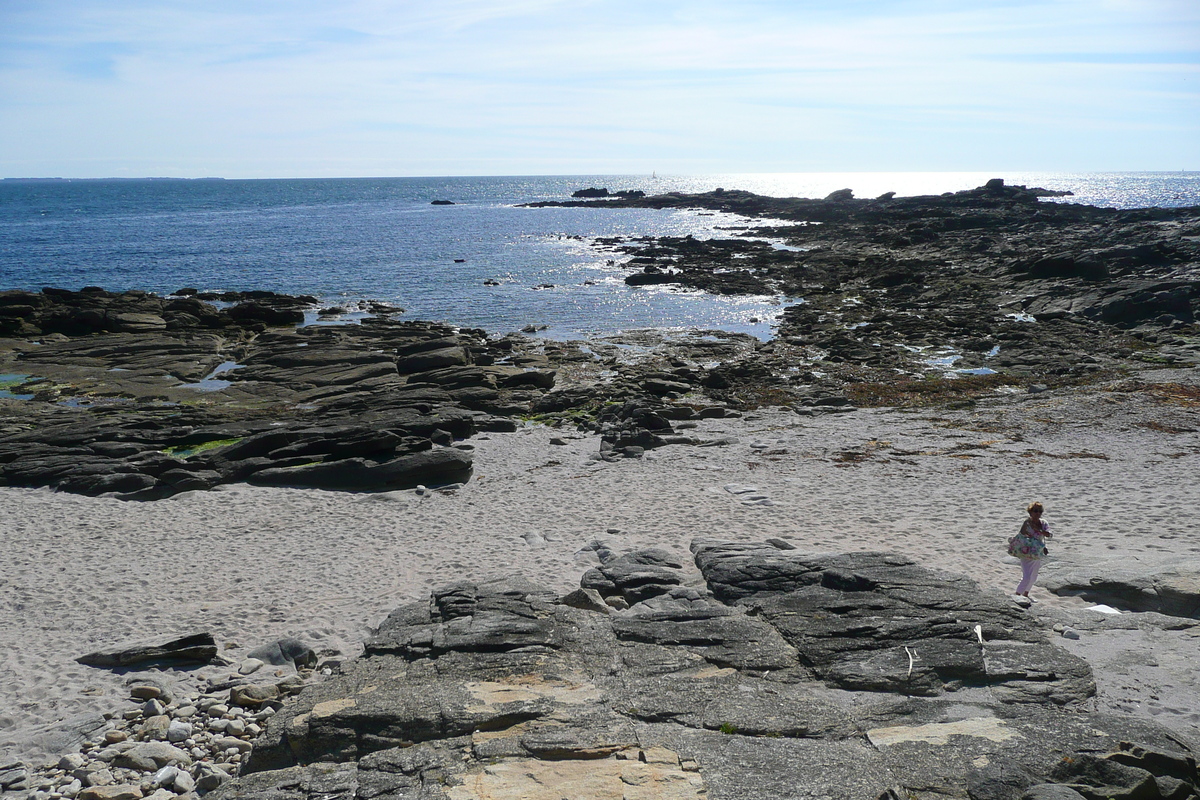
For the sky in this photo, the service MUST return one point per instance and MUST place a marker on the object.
(310, 88)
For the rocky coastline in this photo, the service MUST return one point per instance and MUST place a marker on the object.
(901, 301)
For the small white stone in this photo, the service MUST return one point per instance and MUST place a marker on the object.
(153, 708)
(1070, 633)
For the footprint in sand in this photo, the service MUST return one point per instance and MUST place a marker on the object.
(748, 495)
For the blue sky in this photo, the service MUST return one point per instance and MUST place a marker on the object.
(92, 88)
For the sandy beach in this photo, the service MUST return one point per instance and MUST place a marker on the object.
(1116, 471)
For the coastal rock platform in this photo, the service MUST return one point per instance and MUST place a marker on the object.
(905, 301)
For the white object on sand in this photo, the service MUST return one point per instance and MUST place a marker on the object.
(1103, 609)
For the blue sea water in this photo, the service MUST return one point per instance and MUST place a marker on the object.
(346, 240)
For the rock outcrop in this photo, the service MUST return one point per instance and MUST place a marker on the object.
(217, 396)
(779, 674)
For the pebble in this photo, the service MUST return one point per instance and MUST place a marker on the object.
(72, 761)
(178, 731)
(154, 728)
(184, 783)
(100, 777)
(249, 666)
(1070, 633)
(214, 734)
(165, 776)
(230, 743)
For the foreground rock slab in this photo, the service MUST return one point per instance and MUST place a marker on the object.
(779, 674)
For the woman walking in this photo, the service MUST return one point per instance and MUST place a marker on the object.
(1029, 545)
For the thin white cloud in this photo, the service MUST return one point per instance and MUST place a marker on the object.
(396, 87)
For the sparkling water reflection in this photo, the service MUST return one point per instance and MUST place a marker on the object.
(351, 239)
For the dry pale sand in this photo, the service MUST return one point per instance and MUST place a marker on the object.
(1117, 474)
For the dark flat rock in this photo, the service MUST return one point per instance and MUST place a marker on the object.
(430, 468)
(196, 647)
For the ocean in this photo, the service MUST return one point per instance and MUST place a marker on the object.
(355, 239)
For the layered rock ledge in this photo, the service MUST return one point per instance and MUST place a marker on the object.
(777, 674)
